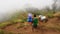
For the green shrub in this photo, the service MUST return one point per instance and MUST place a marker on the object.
(22, 21)
(1, 32)
(2, 25)
(50, 15)
(10, 33)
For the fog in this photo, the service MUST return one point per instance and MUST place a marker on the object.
(8, 7)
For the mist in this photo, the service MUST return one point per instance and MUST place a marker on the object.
(9, 7)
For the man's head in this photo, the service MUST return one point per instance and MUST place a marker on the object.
(34, 15)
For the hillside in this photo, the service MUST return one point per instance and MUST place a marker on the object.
(19, 26)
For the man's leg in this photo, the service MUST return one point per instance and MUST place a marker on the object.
(33, 28)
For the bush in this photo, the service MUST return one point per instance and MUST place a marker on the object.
(11, 33)
(19, 20)
(2, 25)
(1, 32)
(22, 21)
(50, 15)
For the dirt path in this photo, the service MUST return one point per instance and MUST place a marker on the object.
(28, 30)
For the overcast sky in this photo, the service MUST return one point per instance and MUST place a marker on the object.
(6, 6)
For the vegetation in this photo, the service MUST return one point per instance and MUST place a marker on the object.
(1, 31)
(10, 33)
(21, 17)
